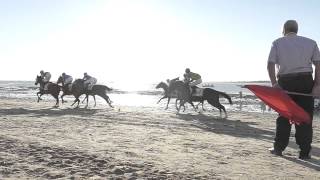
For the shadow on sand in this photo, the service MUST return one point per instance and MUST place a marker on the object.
(241, 129)
(51, 112)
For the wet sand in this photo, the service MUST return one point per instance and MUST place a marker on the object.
(41, 142)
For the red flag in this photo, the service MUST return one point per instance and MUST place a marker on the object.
(279, 101)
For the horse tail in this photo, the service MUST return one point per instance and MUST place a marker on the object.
(226, 96)
(108, 89)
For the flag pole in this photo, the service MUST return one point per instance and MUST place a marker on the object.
(292, 93)
(301, 94)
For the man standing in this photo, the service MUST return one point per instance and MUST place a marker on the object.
(293, 56)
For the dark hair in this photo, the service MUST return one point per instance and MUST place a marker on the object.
(290, 26)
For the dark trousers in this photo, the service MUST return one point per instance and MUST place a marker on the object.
(301, 84)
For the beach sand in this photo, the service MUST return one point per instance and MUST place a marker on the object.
(41, 142)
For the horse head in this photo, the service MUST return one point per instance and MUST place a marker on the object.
(162, 85)
(59, 80)
(38, 80)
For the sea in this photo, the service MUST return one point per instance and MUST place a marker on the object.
(147, 95)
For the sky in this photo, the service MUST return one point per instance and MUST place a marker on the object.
(144, 41)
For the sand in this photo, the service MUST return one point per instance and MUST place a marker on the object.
(41, 142)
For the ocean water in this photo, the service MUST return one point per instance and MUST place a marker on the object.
(145, 95)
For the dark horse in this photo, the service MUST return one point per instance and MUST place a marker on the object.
(53, 89)
(78, 89)
(67, 91)
(210, 95)
(170, 95)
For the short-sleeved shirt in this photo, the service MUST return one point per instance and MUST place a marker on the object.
(193, 76)
(294, 54)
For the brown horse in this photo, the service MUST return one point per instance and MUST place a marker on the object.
(78, 89)
(170, 95)
(53, 89)
(66, 90)
(183, 93)
(210, 95)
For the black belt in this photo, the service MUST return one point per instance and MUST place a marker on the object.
(295, 74)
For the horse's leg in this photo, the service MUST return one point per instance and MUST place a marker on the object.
(181, 104)
(224, 109)
(193, 105)
(221, 107)
(161, 99)
(56, 96)
(57, 101)
(177, 103)
(62, 98)
(95, 103)
(39, 97)
(167, 103)
(106, 97)
(202, 106)
(197, 106)
(109, 101)
(85, 98)
(76, 100)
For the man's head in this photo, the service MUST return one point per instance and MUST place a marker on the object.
(290, 26)
(41, 72)
(187, 70)
(63, 74)
(85, 74)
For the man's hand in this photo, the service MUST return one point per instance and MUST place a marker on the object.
(316, 91)
(276, 85)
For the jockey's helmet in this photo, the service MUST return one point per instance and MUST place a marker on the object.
(63, 74)
(41, 72)
(85, 74)
(187, 70)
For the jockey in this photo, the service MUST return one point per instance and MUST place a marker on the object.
(192, 79)
(66, 80)
(89, 81)
(46, 76)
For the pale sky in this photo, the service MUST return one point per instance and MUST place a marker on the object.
(146, 40)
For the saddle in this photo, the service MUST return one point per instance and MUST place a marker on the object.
(196, 91)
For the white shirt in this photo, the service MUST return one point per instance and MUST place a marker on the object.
(294, 54)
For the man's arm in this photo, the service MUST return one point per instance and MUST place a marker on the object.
(272, 74)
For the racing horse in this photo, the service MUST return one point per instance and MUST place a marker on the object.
(167, 94)
(67, 90)
(210, 95)
(53, 89)
(78, 89)
(170, 95)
